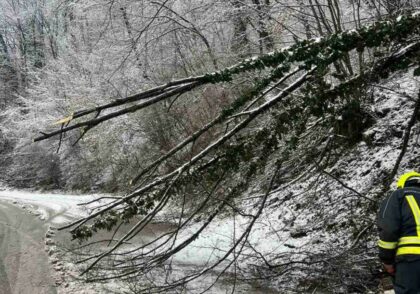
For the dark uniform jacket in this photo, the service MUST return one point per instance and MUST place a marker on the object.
(399, 226)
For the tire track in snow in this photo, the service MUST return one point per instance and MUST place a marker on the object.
(24, 267)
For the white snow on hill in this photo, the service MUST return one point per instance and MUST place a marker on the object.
(322, 215)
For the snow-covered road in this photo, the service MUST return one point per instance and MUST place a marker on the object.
(28, 261)
(24, 266)
(58, 209)
(55, 209)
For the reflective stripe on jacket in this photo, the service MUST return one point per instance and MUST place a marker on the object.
(399, 225)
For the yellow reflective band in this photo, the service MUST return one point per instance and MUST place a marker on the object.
(416, 211)
(387, 245)
(409, 240)
(405, 177)
(408, 250)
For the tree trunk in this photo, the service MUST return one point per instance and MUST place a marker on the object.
(133, 41)
(265, 39)
(4, 49)
(240, 42)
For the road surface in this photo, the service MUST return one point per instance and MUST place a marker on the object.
(24, 266)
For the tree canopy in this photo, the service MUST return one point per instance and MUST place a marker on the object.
(295, 110)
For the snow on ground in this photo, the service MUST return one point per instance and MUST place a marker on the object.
(56, 209)
(219, 236)
(327, 218)
(292, 223)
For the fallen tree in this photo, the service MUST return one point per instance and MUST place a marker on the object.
(264, 134)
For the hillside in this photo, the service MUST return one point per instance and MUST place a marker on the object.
(232, 145)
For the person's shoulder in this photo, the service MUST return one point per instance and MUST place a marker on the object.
(396, 194)
(410, 190)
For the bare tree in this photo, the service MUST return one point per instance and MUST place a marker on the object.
(222, 169)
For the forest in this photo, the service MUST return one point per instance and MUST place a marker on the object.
(263, 133)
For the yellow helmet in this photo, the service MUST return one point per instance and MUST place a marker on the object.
(405, 177)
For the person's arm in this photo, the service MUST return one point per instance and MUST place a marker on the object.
(389, 225)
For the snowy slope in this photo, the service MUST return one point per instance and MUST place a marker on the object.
(317, 229)
(319, 234)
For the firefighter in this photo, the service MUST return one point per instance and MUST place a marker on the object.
(399, 234)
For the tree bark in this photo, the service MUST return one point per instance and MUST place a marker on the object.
(240, 42)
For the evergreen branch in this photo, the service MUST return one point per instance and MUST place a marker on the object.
(310, 52)
(266, 106)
